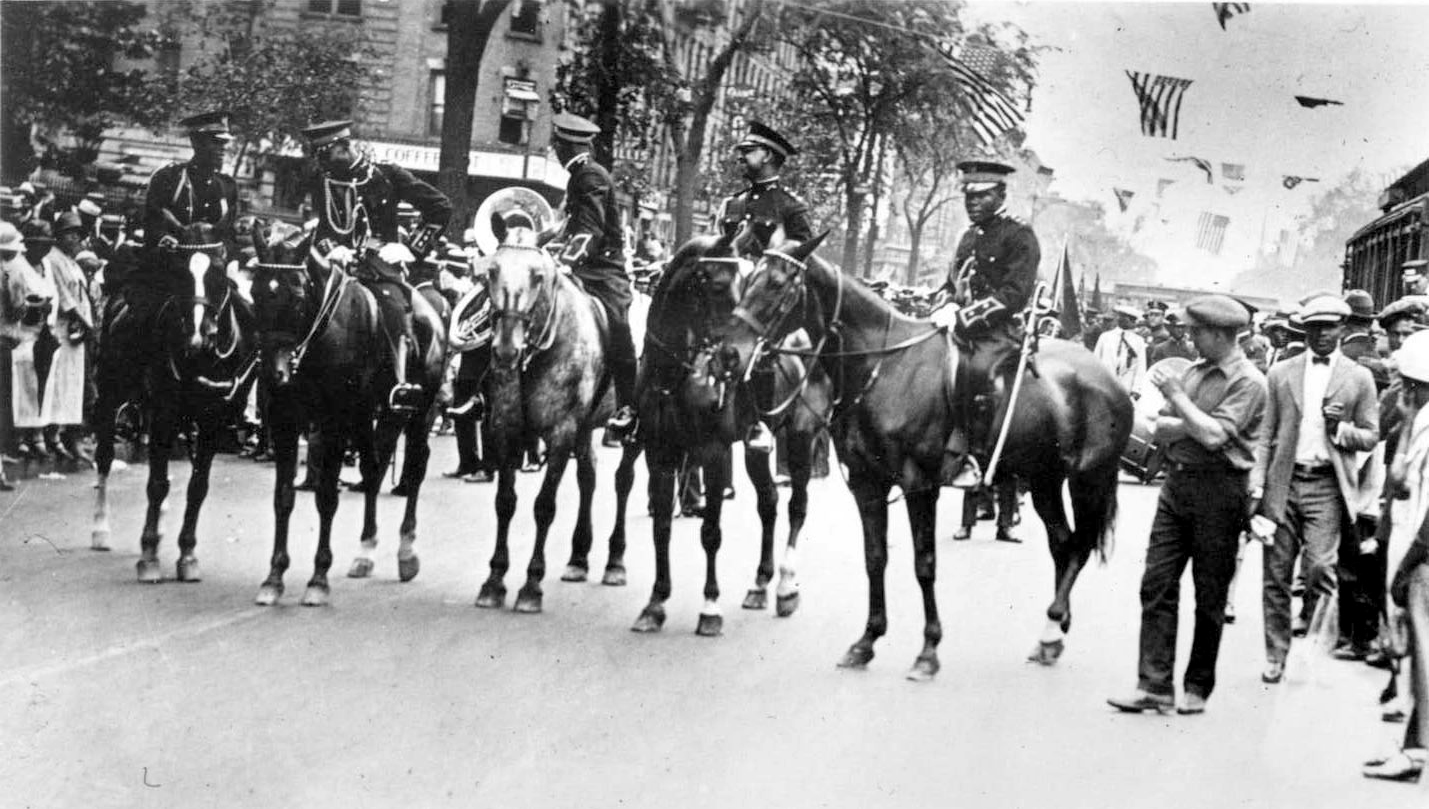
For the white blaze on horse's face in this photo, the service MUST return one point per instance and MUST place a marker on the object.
(198, 267)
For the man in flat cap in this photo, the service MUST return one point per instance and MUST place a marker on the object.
(357, 203)
(773, 215)
(1322, 410)
(180, 194)
(1209, 425)
(595, 251)
(992, 279)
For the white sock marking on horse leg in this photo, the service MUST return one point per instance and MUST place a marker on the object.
(368, 547)
(1052, 632)
(789, 573)
(99, 532)
(711, 607)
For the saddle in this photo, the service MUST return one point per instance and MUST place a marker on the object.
(597, 308)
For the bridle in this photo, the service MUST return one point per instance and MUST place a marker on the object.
(337, 281)
(224, 306)
(501, 310)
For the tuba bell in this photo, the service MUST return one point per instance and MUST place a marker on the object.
(502, 202)
(471, 316)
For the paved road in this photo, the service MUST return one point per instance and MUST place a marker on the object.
(116, 694)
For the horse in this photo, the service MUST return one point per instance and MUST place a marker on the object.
(892, 378)
(320, 337)
(547, 379)
(179, 342)
(686, 413)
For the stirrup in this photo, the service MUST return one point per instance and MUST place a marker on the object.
(968, 475)
(474, 406)
(405, 396)
(623, 421)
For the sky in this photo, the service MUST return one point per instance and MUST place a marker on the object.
(1240, 108)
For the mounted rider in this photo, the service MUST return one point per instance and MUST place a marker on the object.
(594, 249)
(993, 278)
(767, 210)
(357, 204)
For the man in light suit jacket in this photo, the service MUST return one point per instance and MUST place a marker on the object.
(1322, 411)
(1123, 352)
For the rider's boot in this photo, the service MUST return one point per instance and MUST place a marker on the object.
(404, 395)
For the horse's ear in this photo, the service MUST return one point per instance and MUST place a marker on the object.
(803, 251)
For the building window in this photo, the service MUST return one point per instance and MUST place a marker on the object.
(339, 8)
(526, 18)
(437, 103)
(518, 109)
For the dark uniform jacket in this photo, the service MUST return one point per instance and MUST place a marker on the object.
(191, 196)
(352, 209)
(1004, 253)
(595, 245)
(1171, 347)
(766, 205)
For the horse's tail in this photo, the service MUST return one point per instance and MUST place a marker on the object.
(1094, 507)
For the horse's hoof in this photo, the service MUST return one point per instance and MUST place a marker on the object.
(491, 597)
(362, 568)
(574, 573)
(614, 577)
(315, 596)
(149, 571)
(924, 669)
(786, 605)
(528, 601)
(99, 540)
(187, 569)
(710, 626)
(1046, 652)
(856, 657)
(652, 619)
(408, 568)
(268, 595)
(756, 599)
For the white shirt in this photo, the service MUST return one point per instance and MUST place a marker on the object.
(1312, 445)
(1124, 354)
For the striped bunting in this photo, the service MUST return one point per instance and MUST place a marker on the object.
(1224, 11)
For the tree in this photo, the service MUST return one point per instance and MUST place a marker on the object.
(62, 71)
(273, 80)
(865, 68)
(469, 27)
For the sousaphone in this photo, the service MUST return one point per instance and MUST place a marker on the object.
(471, 317)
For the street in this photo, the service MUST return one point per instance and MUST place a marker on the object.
(116, 694)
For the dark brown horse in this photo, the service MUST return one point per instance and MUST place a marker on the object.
(320, 337)
(179, 342)
(893, 413)
(547, 380)
(687, 413)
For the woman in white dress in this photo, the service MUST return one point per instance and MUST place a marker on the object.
(30, 296)
(72, 322)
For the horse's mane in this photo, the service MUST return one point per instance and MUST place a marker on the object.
(673, 282)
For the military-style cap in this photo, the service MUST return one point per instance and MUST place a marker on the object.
(982, 175)
(1361, 305)
(1216, 312)
(89, 207)
(1324, 309)
(1412, 307)
(1413, 357)
(760, 135)
(327, 132)
(208, 124)
(38, 231)
(1156, 306)
(10, 239)
(573, 128)
(1173, 319)
(1415, 264)
(1127, 310)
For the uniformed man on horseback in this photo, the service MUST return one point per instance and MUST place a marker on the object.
(357, 201)
(594, 249)
(993, 278)
(769, 211)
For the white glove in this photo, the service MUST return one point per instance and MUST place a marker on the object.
(342, 254)
(1263, 528)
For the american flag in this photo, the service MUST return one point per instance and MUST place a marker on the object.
(1224, 11)
(1160, 100)
(1211, 233)
(991, 112)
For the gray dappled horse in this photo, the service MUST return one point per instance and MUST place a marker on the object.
(547, 380)
(894, 409)
(178, 341)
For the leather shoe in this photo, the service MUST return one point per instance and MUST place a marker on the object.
(459, 472)
(1402, 766)
(1006, 535)
(1349, 651)
(1142, 701)
(1378, 659)
(1274, 672)
(1191, 704)
(962, 533)
(479, 476)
